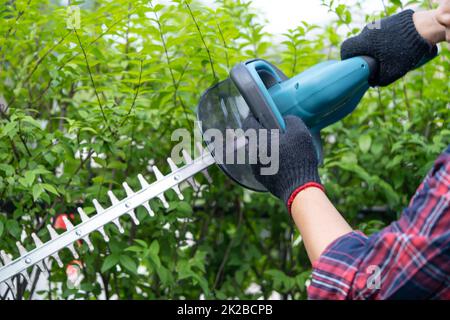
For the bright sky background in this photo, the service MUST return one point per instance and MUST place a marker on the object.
(287, 14)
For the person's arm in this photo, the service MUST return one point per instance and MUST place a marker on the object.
(434, 25)
(428, 26)
(406, 260)
(317, 220)
(335, 251)
(442, 16)
(315, 216)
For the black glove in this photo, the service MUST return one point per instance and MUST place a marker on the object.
(298, 164)
(394, 42)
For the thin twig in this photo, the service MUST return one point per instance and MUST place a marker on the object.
(203, 40)
(229, 247)
(224, 45)
(136, 93)
(34, 102)
(93, 83)
(408, 105)
(45, 55)
(40, 60)
(8, 33)
(172, 75)
(35, 281)
(168, 60)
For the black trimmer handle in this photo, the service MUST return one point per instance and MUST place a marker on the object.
(374, 67)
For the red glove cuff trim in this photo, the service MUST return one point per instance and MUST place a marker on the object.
(301, 188)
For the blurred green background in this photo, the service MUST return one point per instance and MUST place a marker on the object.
(87, 106)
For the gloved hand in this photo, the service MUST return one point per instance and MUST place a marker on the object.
(394, 42)
(298, 164)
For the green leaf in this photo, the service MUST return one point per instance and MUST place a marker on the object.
(349, 158)
(154, 247)
(152, 253)
(390, 193)
(300, 281)
(29, 177)
(184, 208)
(134, 249)
(142, 243)
(13, 228)
(377, 147)
(31, 121)
(164, 275)
(184, 270)
(110, 262)
(10, 129)
(37, 191)
(9, 170)
(1, 228)
(41, 170)
(365, 142)
(128, 263)
(50, 188)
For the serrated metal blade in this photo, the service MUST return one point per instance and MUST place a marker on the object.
(96, 222)
(176, 188)
(187, 158)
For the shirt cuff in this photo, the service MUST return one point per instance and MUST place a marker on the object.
(335, 270)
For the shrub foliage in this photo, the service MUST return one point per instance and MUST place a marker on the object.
(84, 108)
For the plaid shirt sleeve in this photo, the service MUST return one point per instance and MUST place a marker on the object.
(409, 259)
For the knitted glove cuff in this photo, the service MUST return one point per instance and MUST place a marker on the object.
(395, 43)
(408, 30)
(415, 46)
(295, 179)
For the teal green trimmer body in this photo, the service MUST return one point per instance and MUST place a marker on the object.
(320, 96)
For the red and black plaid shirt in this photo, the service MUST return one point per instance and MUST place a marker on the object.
(409, 259)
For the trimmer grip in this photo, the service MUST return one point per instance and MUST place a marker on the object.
(374, 67)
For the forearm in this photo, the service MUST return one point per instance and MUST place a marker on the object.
(318, 221)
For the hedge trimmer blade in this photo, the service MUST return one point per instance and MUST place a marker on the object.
(39, 256)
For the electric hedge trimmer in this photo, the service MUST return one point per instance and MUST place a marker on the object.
(321, 95)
